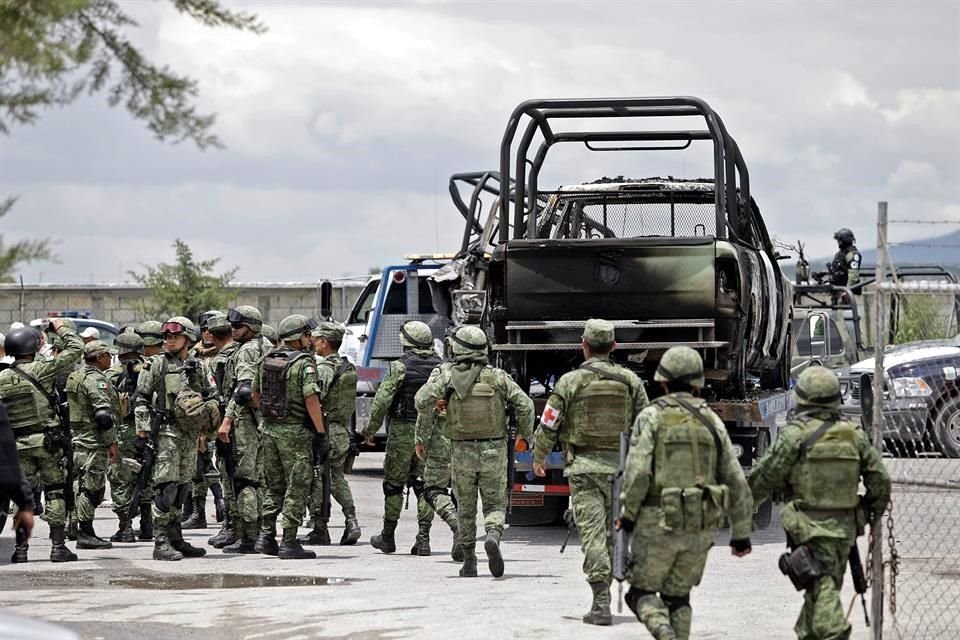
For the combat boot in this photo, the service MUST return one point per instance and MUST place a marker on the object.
(469, 568)
(124, 530)
(225, 537)
(59, 551)
(319, 536)
(177, 542)
(219, 504)
(456, 552)
(146, 523)
(87, 538)
(198, 519)
(494, 558)
(664, 632)
(599, 613)
(186, 509)
(290, 549)
(421, 547)
(351, 531)
(20, 551)
(162, 549)
(266, 544)
(385, 541)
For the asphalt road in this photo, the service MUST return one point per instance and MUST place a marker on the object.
(361, 594)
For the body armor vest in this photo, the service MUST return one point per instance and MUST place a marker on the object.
(417, 370)
(602, 409)
(28, 410)
(341, 399)
(274, 400)
(77, 409)
(827, 475)
(839, 267)
(482, 414)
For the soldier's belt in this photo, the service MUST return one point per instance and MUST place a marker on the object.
(822, 514)
(478, 439)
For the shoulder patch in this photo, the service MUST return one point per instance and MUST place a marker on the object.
(310, 369)
(549, 417)
(102, 385)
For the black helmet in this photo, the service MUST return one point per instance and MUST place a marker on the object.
(21, 342)
(845, 237)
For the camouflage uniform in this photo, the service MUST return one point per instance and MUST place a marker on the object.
(228, 533)
(94, 416)
(845, 267)
(32, 418)
(820, 458)
(588, 409)
(432, 436)
(680, 479)
(337, 378)
(401, 466)
(476, 397)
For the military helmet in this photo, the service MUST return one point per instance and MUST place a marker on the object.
(181, 324)
(818, 387)
(21, 342)
(469, 339)
(204, 320)
(294, 326)
(844, 236)
(416, 335)
(246, 315)
(332, 331)
(218, 323)
(598, 332)
(151, 332)
(96, 348)
(128, 342)
(680, 364)
(268, 332)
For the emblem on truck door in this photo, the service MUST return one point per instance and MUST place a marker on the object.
(607, 268)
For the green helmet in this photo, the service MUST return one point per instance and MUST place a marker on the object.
(204, 321)
(246, 315)
(817, 387)
(294, 326)
(268, 332)
(218, 322)
(680, 364)
(181, 324)
(128, 342)
(469, 339)
(416, 335)
(151, 332)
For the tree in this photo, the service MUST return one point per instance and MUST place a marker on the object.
(186, 288)
(23, 251)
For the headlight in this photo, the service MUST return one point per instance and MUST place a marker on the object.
(911, 388)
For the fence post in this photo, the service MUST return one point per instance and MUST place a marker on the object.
(880, 316)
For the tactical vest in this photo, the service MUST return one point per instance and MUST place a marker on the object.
(482, 414)
(274, 400)
(827, 474)
(601, 410)
(685, 463)
(78, 412)
(839, 268)
(341, 399)
(29, 411)
(417, 370)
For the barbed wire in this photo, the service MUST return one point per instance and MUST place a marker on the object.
(923, 245)
(923, 222)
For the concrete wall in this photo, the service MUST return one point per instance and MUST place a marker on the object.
(122, 304)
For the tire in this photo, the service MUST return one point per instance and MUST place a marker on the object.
(779, 377)
(946, 428)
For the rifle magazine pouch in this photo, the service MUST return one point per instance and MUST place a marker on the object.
(716, 502)
(671, 508)
(190, 411)
(693, 509)
(803, 567)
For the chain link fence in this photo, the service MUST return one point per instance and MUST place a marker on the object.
(616, 217)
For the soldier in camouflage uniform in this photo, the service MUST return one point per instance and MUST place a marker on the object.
(122, 479)
(222, 336)
(173, 386)
(241, 425)
(820, 459)
(476, 397)
(94, 416)
(268, 332)
(682, 477)
(294, 439)
(151, 332)
(338, 394)
(401, 467)
(845, 268)
(35, 424)
(588, 410)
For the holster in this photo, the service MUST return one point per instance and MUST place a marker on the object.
(53, 439)
(802, 566)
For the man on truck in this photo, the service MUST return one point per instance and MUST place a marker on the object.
(588, 410)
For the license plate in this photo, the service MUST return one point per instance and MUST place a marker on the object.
(526, 501)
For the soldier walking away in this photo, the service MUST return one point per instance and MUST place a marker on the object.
(821, 459)
(401, 466)
(681, 474)
(295, 442)
(27, 388)
(14, 486)
(171, 408)
(338, 394)
(94, 416)
(588, 410)
(845, 268)
(222, 336)
(476, 397)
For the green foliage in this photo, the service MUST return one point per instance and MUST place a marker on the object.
(14, 255)
(53, 50)
(923, 317)
(186, 288)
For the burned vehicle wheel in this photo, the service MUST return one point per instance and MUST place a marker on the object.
(946, 428)
(779, 377)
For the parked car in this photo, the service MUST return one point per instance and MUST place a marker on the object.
(108, 331)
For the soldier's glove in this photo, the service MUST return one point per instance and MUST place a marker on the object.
(321, 447)
(741, 545)
(627, 525)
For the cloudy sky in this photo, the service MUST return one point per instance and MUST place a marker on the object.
(345, 120)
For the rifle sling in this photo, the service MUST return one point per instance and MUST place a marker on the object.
(811, 440)
(609, 375)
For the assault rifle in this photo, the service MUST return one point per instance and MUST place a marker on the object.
(511, 455)
(225, 454)
(621, 539)
(571, 523)
(147, 459)
(859, 579)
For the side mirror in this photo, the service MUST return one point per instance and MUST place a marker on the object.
(326, 299)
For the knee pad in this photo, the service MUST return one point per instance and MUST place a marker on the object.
(184, 492)
(243, 483)
(392, 489)
(52, 492)
(432, 493)
(417, 486)
(675, 603)
(632, 597)
(165, 496)
(91, 497)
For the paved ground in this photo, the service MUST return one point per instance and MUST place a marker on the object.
(361, 594)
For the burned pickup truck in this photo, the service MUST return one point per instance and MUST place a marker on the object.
(668, 260)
